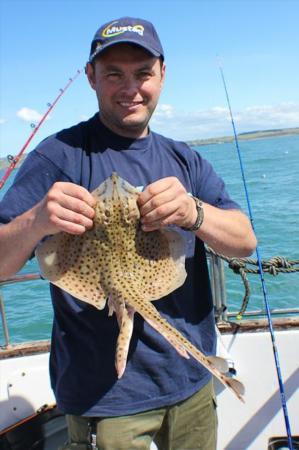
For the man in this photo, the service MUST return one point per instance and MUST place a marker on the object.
(161, 396)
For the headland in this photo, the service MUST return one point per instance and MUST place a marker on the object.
(258, 134)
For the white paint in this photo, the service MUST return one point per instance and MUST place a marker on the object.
(241, 426)
(24, 387)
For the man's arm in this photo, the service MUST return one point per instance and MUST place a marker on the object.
(166, 202)
(228, 232)
(66, 207)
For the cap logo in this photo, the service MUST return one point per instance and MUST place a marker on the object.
(113, 30)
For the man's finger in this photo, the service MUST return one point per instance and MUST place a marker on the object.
(157, 201)
(154, 189)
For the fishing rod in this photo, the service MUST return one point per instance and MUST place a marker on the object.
(261, 272)
(15, 159)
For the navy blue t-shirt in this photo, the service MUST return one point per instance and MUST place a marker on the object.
(82, 368)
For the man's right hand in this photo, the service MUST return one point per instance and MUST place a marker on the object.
(66, 207)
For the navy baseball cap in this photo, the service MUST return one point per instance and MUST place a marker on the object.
(126, 30)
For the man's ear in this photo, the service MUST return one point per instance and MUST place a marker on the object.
(163, 71)
(90, 72)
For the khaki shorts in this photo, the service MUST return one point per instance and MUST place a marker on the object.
(187, 425)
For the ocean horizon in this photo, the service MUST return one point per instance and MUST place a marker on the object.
(271, 167)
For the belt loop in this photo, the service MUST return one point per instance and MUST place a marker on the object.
(92, 425)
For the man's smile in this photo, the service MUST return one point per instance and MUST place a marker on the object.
(126, 104)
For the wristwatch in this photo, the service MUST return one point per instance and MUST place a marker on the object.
(200, 215)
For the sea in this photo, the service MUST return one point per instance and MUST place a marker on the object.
(271, 172)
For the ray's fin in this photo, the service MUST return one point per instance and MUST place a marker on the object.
(220, 363)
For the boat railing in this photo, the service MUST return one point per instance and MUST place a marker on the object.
(218, 287)
(20, 278)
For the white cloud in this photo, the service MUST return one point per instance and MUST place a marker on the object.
(29, 115)
(285, 114)
(2, 120)
(163, 111)
(216, 121)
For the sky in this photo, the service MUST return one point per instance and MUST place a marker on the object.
(45, 42)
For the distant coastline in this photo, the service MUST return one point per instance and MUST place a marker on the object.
(4, 163)
(246, 136)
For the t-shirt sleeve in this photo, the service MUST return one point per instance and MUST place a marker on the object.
(209, 186)
(33, 180)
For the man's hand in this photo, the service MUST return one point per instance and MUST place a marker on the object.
(66, 207)
(166, 202)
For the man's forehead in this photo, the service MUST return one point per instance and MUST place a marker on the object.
(125, 51)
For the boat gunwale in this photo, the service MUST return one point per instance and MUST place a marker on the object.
(230, 327)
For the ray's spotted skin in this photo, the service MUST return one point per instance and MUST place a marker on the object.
(118, 261)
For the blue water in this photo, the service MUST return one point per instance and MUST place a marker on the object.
(272, 174)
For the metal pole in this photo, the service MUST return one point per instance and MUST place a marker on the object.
(218, 286)
(220, 264)
(4, 322)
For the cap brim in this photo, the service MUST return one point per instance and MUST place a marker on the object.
(124, 41)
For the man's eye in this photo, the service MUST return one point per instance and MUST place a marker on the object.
(145, 75)
(113, 76)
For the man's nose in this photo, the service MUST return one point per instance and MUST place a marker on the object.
(130, 85)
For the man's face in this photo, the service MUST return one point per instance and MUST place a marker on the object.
(128, 82)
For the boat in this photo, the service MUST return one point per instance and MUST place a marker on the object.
(30, 419)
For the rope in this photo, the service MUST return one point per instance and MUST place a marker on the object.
(273, 266)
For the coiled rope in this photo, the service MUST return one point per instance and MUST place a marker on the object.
(273, 266)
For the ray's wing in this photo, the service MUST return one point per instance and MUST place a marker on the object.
(73, 263)
(159, 262)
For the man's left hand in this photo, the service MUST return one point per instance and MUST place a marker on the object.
(166, 202)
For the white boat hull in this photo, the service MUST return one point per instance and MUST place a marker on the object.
(25, 388)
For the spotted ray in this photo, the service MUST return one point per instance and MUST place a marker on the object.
(118, 261)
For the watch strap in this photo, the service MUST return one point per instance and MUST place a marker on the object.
(200, 215)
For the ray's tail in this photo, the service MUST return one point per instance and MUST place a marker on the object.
(214, 364)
